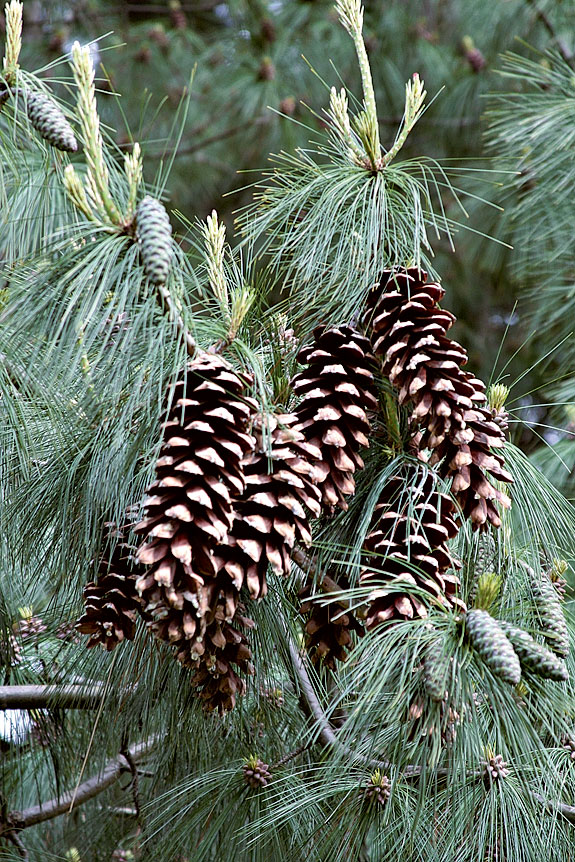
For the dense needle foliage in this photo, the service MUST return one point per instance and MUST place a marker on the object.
(248, 453)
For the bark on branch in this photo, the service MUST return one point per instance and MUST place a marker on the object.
(18, 820)
(43, 696)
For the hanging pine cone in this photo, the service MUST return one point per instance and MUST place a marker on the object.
(190, 510)
(491, 643)
(329, 628)
(272, 513)
(336, 391)
(533, 656)
(436, 666)
(48, 119)
(226, 646)
(407, 548)
(112, 604)
(154, 235)
(550, 613)
(256, 773)
(377, 788)
(408, 333)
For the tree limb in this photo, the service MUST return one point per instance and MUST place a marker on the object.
(18, 820)
(44, 696)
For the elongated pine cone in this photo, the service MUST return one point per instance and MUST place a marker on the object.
(436, 666)
(329, 627)
(408, 334)
(47, 118)
(335, 393)
(190, 508)
(534, 656)
(406, 553)
(112, 603)
(493, 645)
(154, 234)
(226, 650)
(272, 513)
(550, 613)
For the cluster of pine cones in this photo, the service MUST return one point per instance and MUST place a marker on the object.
(236, 488)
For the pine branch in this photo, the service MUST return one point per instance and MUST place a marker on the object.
(328, 584)
(18, 820)
(43, 696)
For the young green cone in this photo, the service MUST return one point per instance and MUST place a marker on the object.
(492, 644)
(550, 614)
(154, 234)
(534, 656)
(50, 122)
(435, 669)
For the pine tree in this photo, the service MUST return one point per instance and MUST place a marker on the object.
(326, 598)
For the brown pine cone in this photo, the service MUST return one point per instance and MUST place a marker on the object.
(336, 391)
(407, 547)
(272, 513)
(408, 334)
(328, 628)
(112, 604)
(190, 510)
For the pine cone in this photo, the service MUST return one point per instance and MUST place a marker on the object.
(10, 652)
(550, 613)
(217, 681)
(154, 234)
(436, 666)
(256, 773)
(328, 628)
(30, 628)
(492, 644)
(47, 118)
(111, 605)
(495, 769)
(533, 656)
(189, 513)
(377, 788)
(335, 391)
(406, 548)
(272, 513)
(408, 333)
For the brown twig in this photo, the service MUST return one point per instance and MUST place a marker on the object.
(168, 303)
(566, 54)
(15, 839)
(290, 755)
(327, 583)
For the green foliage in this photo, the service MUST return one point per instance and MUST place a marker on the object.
(89, 346)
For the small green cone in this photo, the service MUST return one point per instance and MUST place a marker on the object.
(435, 669)
(154, 234)
(493, 646)
(550, 613)
(534, 656)
(47, 118)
